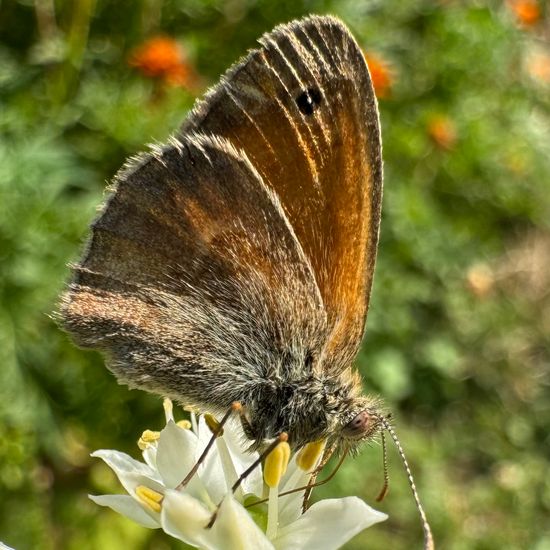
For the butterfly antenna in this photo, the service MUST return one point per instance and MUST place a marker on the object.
(216, 432)
(428, 537)
(384, 491)
(309, 486)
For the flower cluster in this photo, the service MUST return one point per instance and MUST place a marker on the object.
(442, 131)
(163, 58)
(380, 73)
(206, 513)
(526, 12)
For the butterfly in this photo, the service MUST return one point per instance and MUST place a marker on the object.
(235, 263)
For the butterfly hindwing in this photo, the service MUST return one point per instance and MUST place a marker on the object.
(193, 276)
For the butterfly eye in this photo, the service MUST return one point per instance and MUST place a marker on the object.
(309, 100)
(359, 426)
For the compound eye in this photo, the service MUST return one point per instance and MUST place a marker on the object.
(359, 426)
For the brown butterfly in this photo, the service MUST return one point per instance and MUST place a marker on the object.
(235, 263)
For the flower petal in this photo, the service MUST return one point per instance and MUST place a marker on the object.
(185, 518)
(127, 506)
(176, 457)
(235, 529)
(211, 471)
(5, 546)
(328, 524)
(122, 463)
(150, 456)
(175, 454)
(242, 459)
(130, 472)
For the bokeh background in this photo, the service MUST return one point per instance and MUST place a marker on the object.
(459, 329)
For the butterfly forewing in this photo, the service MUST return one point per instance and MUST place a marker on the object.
(304, 110)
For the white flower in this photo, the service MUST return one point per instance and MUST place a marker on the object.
(154, 499)
(5, 546)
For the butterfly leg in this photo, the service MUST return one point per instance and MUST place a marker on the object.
(312, 480)
(245, 423)
(217, 431)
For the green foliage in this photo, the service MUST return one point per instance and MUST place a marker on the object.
(458, 332)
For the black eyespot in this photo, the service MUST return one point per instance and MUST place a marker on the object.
(309, 100)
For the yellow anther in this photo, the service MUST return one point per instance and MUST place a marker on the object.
(147, 438)
(151, 498)
(276, 463)
(185, 424)
(309, 454)
(213, 424)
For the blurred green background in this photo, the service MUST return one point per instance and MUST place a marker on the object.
(459, 328)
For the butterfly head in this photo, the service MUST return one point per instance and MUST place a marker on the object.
(364, 424)
(311, 409)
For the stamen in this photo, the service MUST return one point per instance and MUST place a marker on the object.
(213, 424)
(282, 437)
(185, 424)
(275, 466)
(149, 497)
(276, 463)
(193, 413)
(307, 457)
(272, 513)
(148, 437)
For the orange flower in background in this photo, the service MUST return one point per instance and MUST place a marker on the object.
(527, 12)
(162, 57)
(381, 75)
(442, 131)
